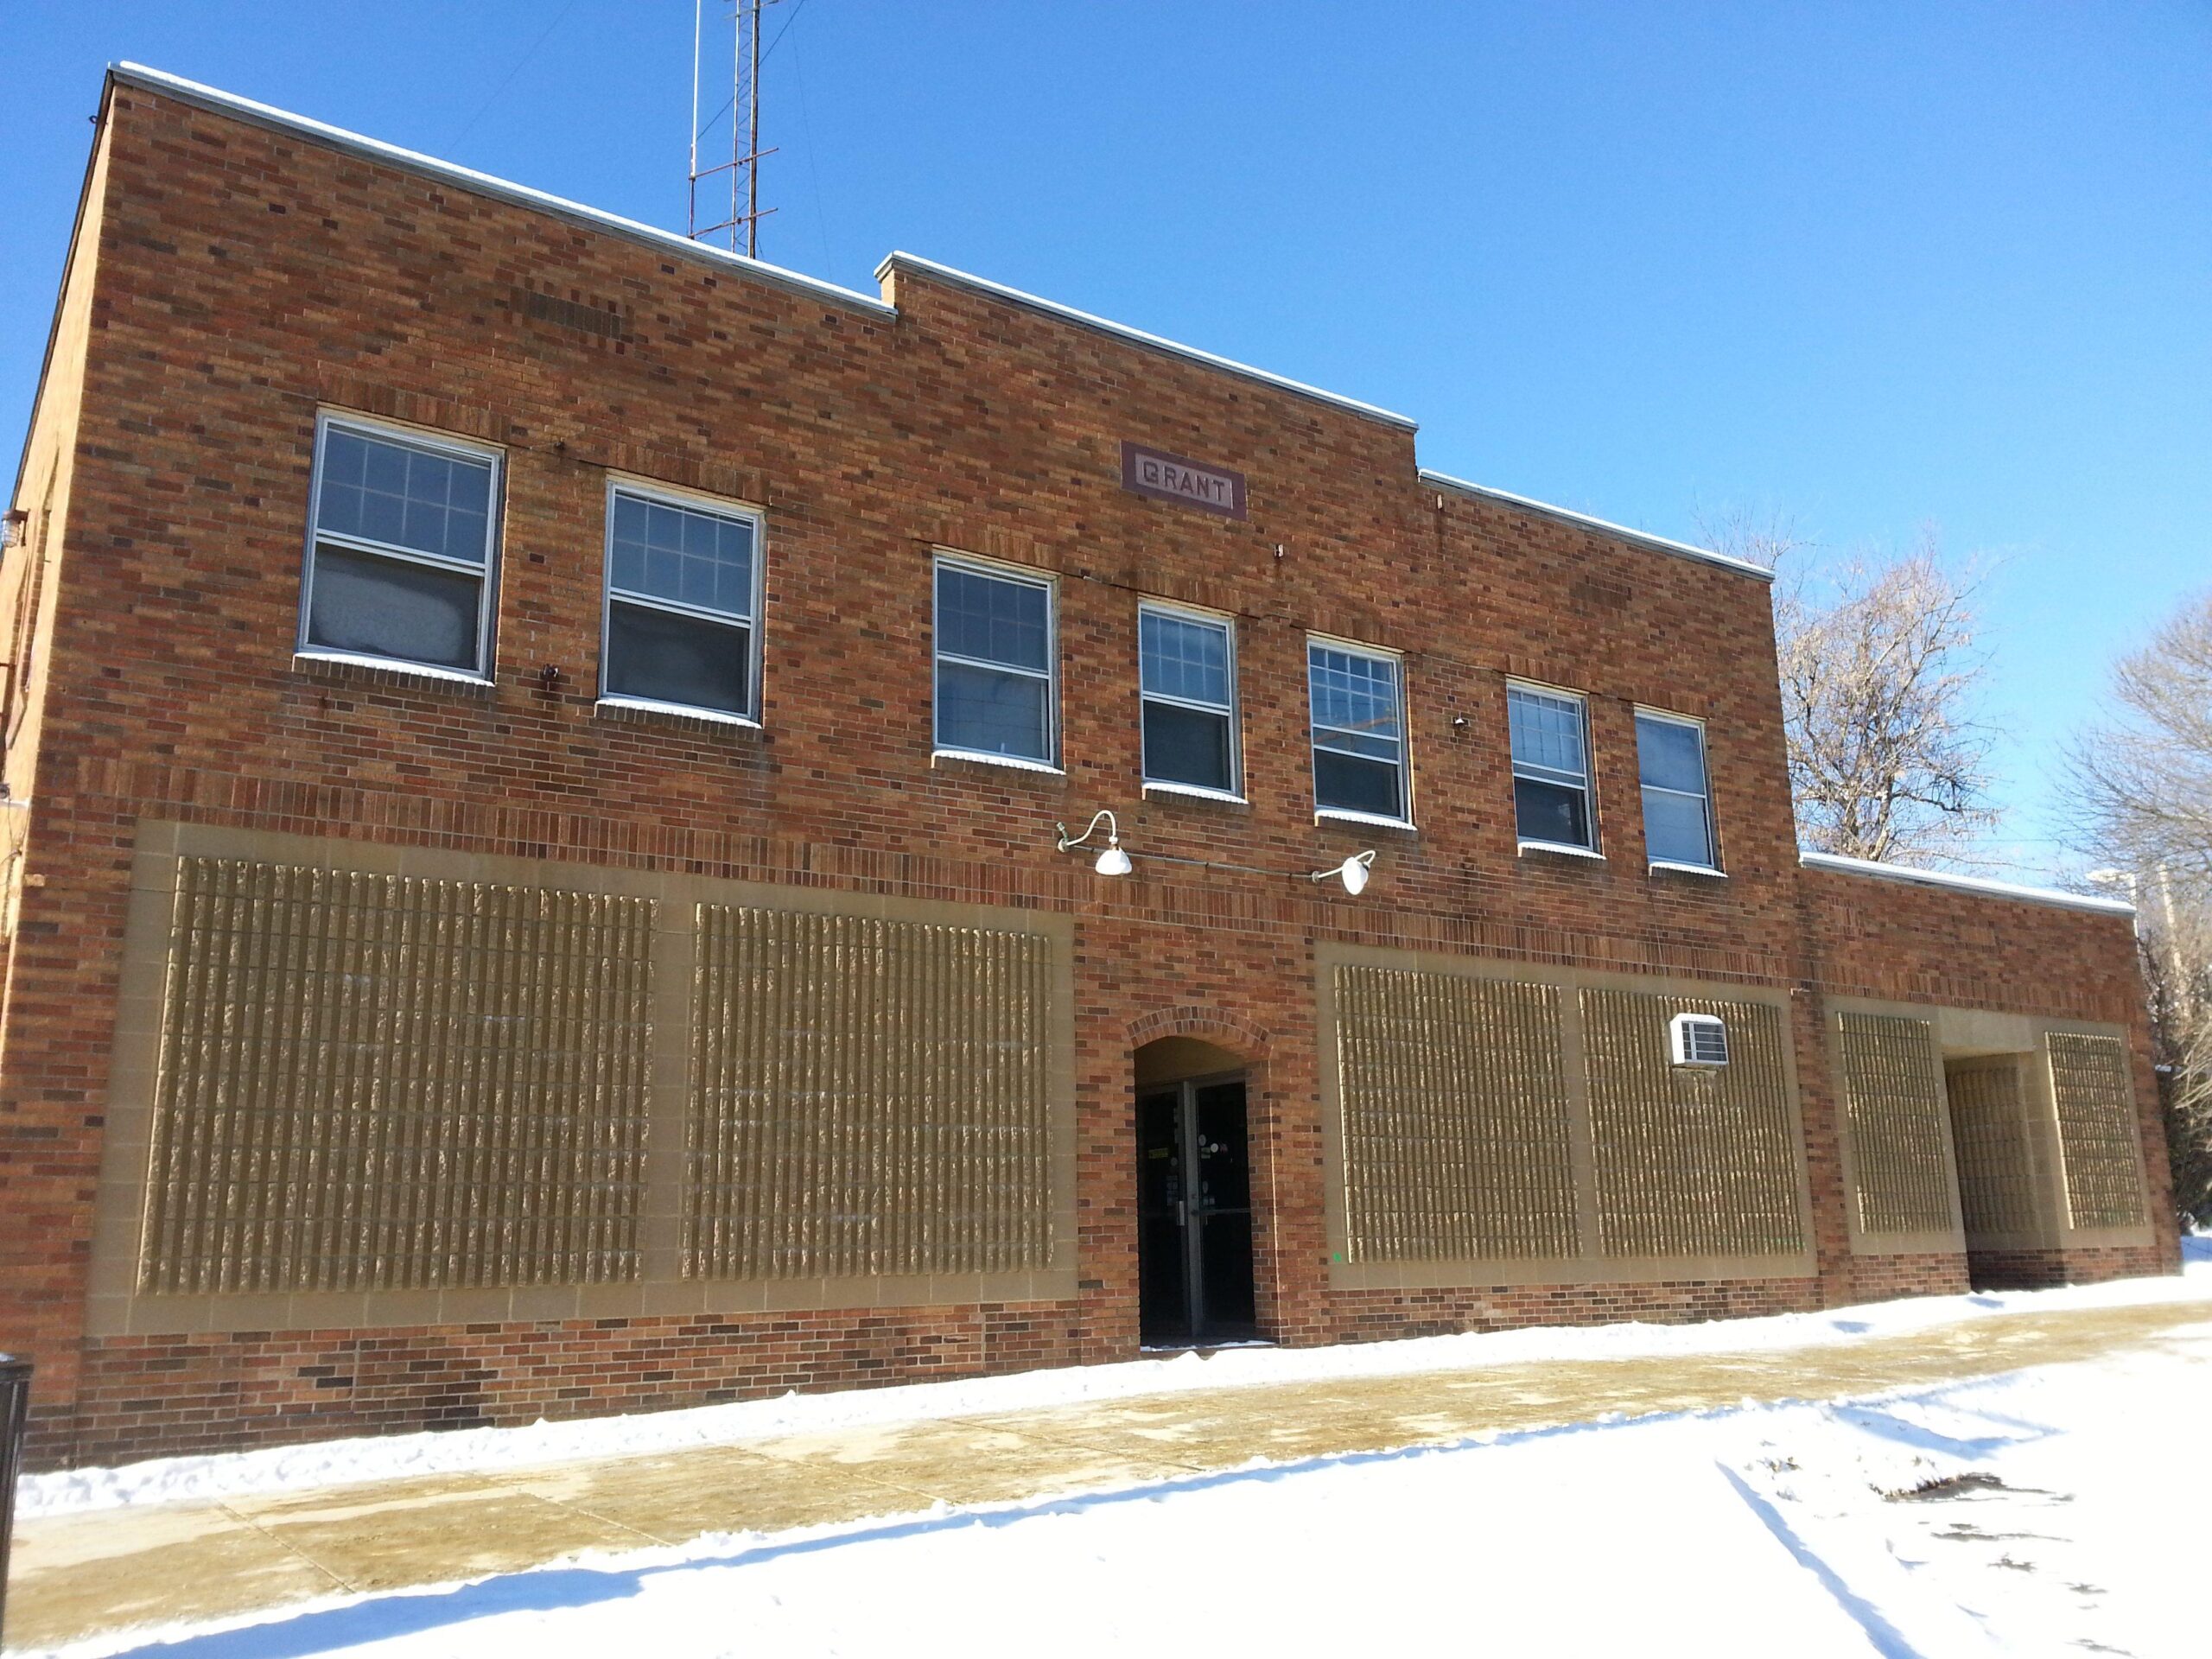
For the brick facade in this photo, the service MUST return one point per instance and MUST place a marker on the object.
(235, 275)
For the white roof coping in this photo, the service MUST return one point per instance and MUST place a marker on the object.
(138, 75)
(901, 261)
(1568, 515)
(1964, 883)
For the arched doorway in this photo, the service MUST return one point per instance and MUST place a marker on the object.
(1194, 1196)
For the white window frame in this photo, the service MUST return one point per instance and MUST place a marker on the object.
(1227, 624)
(939, 560)
(697, 501)
(1540, 774)
(1705, 767)
(488, 573)
(1344, 814)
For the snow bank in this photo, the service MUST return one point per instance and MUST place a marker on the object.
(169, 1480)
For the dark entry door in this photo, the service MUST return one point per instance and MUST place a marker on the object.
(1194, 1215)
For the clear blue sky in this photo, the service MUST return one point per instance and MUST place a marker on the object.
(1868, 264)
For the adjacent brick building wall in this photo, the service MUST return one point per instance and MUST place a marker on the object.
(235, 276)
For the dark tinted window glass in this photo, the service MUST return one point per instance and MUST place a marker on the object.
(1186, 745)
(983, 710)
(391, 608)
(1551, 812)
(1352, 784)
(671, 659)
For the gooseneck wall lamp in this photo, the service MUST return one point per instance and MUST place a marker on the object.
(1111, 859)
(1353, 872)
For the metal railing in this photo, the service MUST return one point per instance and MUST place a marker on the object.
(15, 1413)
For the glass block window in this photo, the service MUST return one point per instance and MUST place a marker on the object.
(1186, 672)
(1677, 804)
(1359, 727)
(401, 551)
(996, 693)
(1551, 767)
(682, 586)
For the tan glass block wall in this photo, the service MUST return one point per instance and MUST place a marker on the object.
(1455, 1118)
(2096, 1129)
(867, 1096)
(1895, 1109)
(374, 1082)
(1690, 1161)
(1996, 1178)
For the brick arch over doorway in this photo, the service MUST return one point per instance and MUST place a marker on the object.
(1216, 1026)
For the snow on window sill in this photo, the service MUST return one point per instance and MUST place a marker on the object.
(680, 710)
(1013, 762)
(1672, 867)
(1194, 791)
(1565, 849)
(393, 665)
(1376, 820)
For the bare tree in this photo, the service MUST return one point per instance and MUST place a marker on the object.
(2139, 785)
(1880, 674)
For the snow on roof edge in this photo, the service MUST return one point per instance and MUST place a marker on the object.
(1967, 883)
(159, 81)
(898, 258)
(1641, 537)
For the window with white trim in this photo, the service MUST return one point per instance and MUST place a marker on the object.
(401, 549)
(1186, 682)
(1677, 799)
(997, 693)
(1550, 733)
(1358, 729)
(682, 592)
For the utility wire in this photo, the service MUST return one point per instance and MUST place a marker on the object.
(521, 63)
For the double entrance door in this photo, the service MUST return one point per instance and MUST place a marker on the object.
(1194, 1214)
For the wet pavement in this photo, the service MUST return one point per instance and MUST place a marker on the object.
(78, 1575)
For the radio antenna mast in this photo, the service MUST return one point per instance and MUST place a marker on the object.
(743, 166)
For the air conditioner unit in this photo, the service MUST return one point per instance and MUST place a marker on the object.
(1698, 1040)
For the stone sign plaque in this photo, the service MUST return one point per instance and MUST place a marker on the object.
(1172, 478)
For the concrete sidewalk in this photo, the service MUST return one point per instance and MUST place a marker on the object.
(78, 1575)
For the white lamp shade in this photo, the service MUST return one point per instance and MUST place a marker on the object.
(1354, 872)
(1112, 861)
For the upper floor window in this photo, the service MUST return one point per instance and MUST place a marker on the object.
(683, 591)
(1551, 768)
(403, 546)
(1187, 676)
(1359, 743)
(996, 693)
(1677, 801)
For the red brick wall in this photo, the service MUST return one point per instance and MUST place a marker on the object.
(233, 300)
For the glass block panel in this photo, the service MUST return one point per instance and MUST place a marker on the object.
(392, 607)
(1674, 828)
(684, 659)
(1352, 784)
(993, 619)
(684, 554)
(1182, 656)
(993, 713)
(404, 495)
(1551, 812)
(1187, 745)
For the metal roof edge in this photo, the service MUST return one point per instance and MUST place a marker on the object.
(1868, 867)
(1568, 515)
(898, 260)
(214, 98)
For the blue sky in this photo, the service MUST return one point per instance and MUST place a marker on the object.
(1867, 265)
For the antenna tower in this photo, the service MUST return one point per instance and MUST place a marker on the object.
(743, 168)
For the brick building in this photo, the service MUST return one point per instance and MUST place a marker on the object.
(537, 751)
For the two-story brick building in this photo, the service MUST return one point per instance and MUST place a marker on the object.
(543, 760)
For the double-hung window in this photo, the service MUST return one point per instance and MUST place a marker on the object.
(1677, 800)
(1359, 727)
(1186, 677)
(995, 691)
(401, 549)
(682, 594)
(1550, 733)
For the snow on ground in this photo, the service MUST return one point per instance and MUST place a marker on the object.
(168, 1480)
(2048, 1511)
